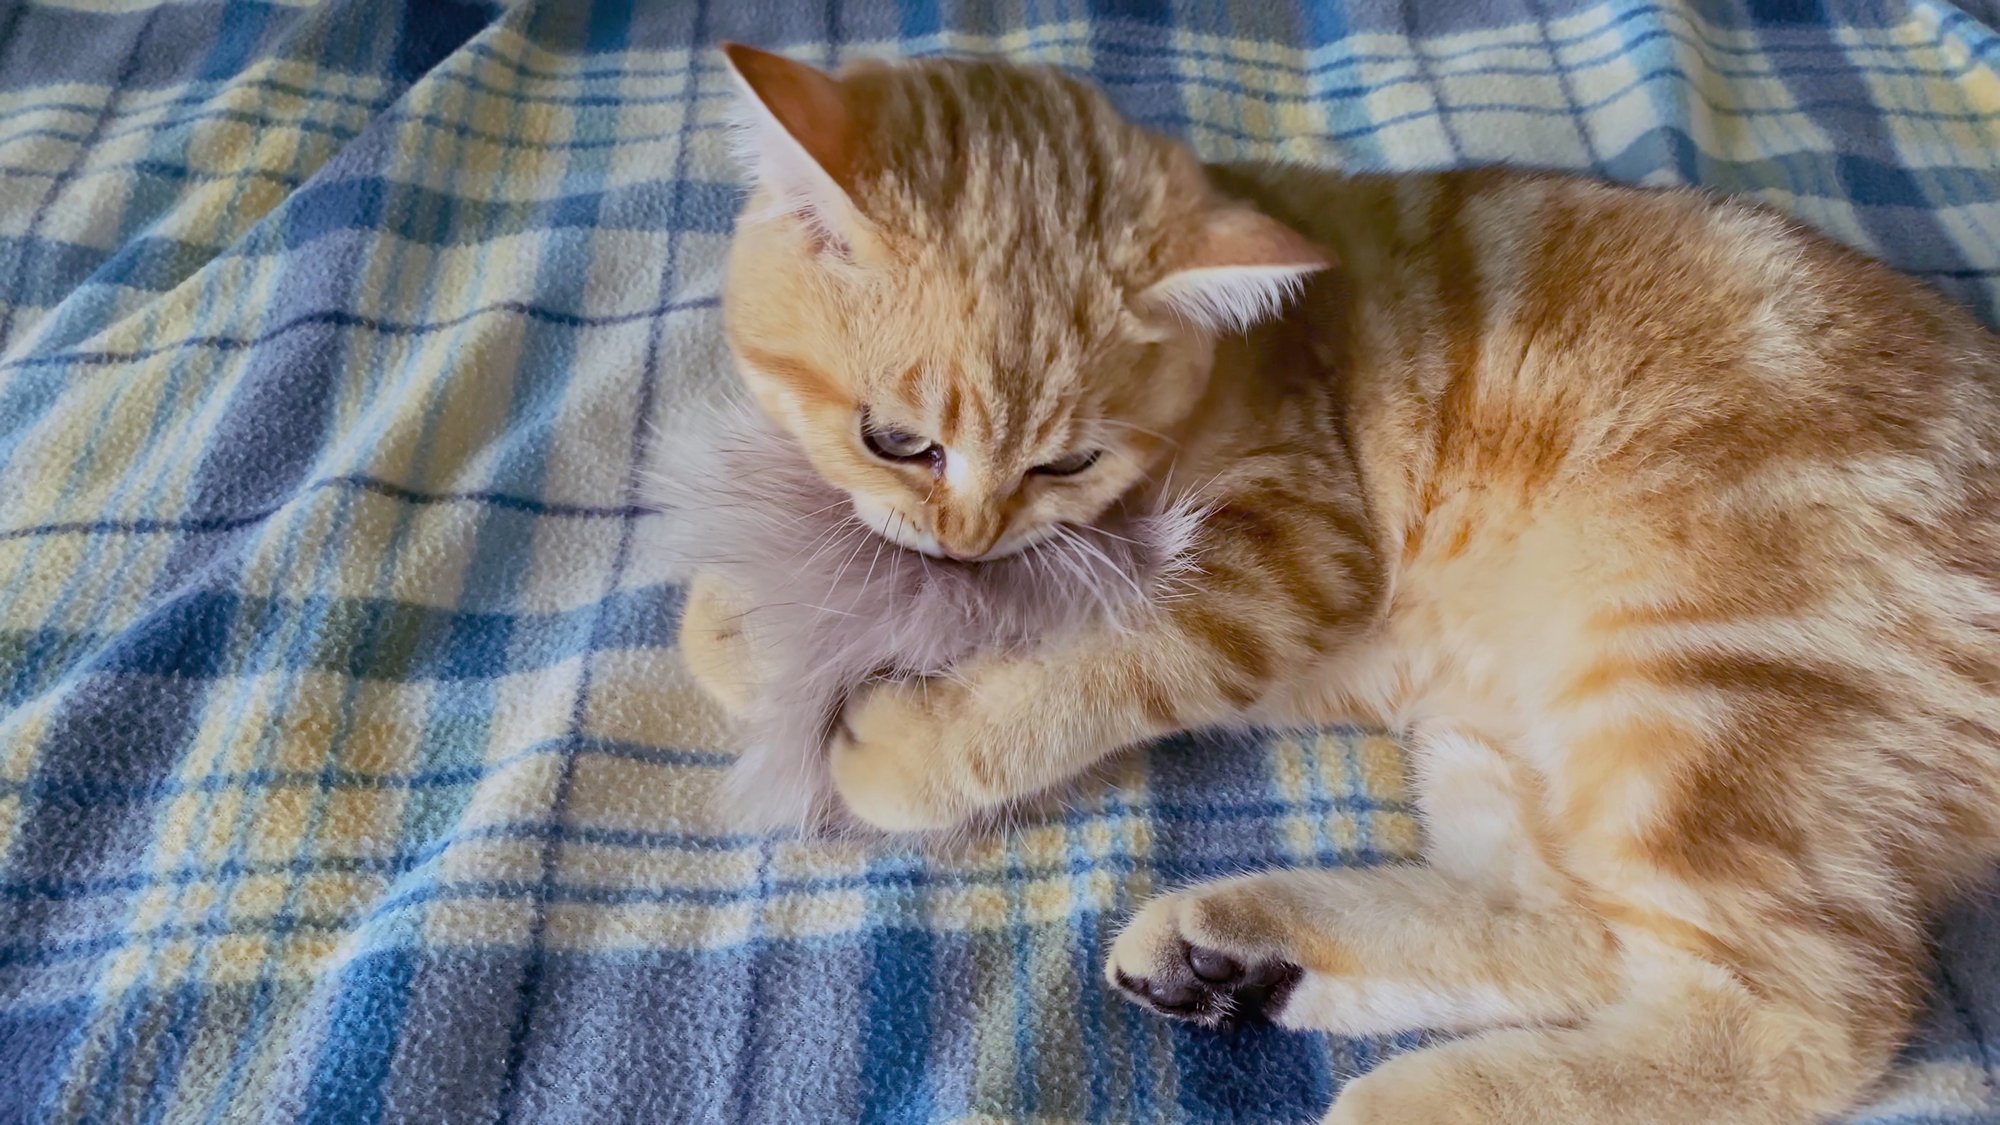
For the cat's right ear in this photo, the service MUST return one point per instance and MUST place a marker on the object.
(798, 138)
(1239, 268)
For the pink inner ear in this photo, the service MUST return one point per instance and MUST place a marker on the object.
(808, 104)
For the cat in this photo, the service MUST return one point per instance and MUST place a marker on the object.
(1667, 531)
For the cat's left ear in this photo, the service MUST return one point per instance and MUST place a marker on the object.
(799, 141)
(1239, 269)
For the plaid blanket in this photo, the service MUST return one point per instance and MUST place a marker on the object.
(347, 770)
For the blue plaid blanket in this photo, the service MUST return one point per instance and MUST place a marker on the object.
(347, 771)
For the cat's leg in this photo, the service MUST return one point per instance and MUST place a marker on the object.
(1691, 1046)
(931, 753)
(1362, 952)
(1489, 934)
(713, 643)
(1588, 1011)
(1284, 575)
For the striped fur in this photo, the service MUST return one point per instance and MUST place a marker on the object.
(1664, 527)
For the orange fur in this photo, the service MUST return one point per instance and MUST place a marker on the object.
(1666, 529)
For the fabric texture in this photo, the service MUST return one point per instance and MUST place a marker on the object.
(347, 770)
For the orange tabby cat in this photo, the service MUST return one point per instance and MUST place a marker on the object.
(1665, 529)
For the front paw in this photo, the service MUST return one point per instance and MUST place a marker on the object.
(891, 755)
(715, 645)
(1182, 957)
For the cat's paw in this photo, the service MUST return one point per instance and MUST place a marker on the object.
(894, 740)
(1182, 957)
(713, 643)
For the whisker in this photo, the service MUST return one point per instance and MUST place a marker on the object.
(833, 540)
(1075, 565)
(820, 511)
(1136, 428)
(1092, 548)
(1114, 535)
(874, 559)
(842, 572)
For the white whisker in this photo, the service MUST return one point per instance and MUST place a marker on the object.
(1136, 428)
(1115, 535)
(1085, 544)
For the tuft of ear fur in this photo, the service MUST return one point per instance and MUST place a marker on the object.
(1240, 269)
(795, 136)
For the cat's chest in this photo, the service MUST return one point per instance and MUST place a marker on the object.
(1490, 614)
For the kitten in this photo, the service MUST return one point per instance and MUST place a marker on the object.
(1665, 529)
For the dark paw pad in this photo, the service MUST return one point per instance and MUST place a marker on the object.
(1212, 988)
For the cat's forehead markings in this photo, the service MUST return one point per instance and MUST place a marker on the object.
(1052, 417)
(954, 401)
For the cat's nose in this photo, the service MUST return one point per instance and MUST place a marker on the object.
(967, 538)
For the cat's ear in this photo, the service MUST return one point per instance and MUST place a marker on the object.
(798, 136)
(1239, 269)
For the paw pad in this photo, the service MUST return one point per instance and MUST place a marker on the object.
(1210, 987)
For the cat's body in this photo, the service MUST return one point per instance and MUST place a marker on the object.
(1690, 532)
(1670, 534)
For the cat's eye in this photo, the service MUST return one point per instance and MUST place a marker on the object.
(1068, 466)
(892, 444)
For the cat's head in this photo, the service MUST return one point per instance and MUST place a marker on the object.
(981, 299)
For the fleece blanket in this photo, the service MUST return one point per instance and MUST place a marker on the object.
(348, 773)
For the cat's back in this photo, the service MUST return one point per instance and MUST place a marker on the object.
(1549, 328)
(1584, 412)
(1658, 352)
